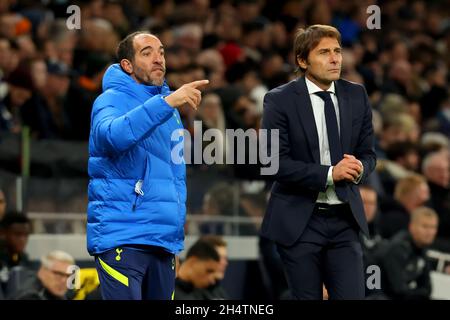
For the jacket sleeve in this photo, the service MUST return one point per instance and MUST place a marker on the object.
(365, 147)
(115, 131)
(307, 175)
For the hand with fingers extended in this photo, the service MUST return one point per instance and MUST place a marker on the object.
(347, 169)
(187, 94)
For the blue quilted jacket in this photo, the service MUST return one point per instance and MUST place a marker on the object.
(137, 193)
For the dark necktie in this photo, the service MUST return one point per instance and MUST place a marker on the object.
(334, 142)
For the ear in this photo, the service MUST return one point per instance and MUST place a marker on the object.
(126, 65)
(302, 63)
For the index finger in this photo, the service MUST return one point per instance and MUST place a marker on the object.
(198, 83)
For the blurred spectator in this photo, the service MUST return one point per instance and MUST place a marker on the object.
(249, 10)
(60, 43)
(161, 11)
(405, 266)
(189, 36)
(246, 76)
(81, 95)
(410, 193)
(437, 94)
(211, 112)
(404, 154)
(20, 85)
(212, 60)
(14, 230)
(370, 202)
(98, 35)
(212, 116)
(198, 272)
(252, 205)
(401, 77)
(216, 290)
(397, 127)
(436, 169)
(38, 71)
(402, 161)
(13, 25)
(51, 280)
(26, 47)
(349, 71)
(218, 201)
(373, 244)
(433, 142)
(274, 71)
(5, 57)
(230, 97)
(45, 113)
(113, 11)
(393, 104)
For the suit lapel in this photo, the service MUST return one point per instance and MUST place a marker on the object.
(306, 115)
(345, 116)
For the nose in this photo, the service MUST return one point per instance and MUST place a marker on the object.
(158, 58)
(333, 58)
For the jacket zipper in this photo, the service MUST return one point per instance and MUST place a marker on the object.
(139, 192)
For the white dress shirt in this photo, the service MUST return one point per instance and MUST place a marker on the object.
(318, 106)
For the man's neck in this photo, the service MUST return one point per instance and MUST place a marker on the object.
(321, 85)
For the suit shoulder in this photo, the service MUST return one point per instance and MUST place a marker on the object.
(350, 85)
(282, 90)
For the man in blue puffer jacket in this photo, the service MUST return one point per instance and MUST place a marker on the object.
(137, 188)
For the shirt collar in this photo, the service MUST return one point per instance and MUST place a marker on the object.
(313, 88)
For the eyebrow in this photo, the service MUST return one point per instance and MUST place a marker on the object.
(328, 49)
(150, 47)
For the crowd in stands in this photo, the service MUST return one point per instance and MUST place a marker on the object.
(50, 75)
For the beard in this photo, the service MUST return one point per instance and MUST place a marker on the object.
(147, 79)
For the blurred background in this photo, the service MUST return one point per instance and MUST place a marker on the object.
(51, 74)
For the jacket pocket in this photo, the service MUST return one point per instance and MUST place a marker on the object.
(139, 193)
(142, 184)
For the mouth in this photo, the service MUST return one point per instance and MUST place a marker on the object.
(158, 69)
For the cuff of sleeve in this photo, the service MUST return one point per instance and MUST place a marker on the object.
(358, 180)
(330, 181)
(164, 102)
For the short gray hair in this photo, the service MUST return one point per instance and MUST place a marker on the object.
(56, 255)
(434, 158)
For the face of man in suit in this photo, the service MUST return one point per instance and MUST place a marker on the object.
(324, 62)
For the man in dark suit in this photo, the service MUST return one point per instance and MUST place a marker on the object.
(326, 147)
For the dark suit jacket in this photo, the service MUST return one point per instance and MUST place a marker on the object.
(301, 176)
